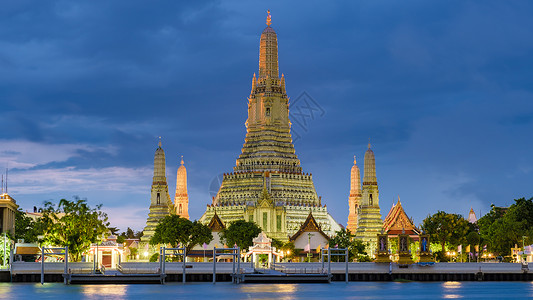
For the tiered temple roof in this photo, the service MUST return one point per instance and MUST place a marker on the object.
(397, 222)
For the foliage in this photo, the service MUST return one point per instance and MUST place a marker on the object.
(73, 224)
(154, 257)
(356, 248)
(26, 228)
(501, 229)
(240, 232)
(175, 230)
(446, 228)
(290, 250)
(277, 243)
(7, 241)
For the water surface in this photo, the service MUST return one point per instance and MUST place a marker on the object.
(223, 290)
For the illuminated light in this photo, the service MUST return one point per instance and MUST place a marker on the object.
(145, 253)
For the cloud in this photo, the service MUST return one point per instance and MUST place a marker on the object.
(20, 154)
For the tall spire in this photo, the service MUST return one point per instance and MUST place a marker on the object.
(354, 199)
(159, 165)
(160, 202)
(181, 199)
(268, 52)
(370, 167)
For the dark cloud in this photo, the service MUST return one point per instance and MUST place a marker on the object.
(443, 89)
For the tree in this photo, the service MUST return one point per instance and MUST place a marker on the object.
(26, 228)
(240, 232)
(503, 228)
(345, 239)
(175, 230)
(446, 228)
(73, 224)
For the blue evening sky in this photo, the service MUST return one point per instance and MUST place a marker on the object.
(443, 89)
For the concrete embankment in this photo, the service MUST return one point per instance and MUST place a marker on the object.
(203, 272)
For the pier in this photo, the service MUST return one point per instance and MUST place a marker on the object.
(282, 272)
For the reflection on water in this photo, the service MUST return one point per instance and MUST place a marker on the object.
(288, 289)
(452, 285)
(107, 290)
(451, 289)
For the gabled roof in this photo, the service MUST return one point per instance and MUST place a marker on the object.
(397, 221)
(310, 225)
(216, 224)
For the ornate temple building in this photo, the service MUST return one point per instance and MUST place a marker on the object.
(397, 222)
(160, 202)
(267, 184)
(354, 199)
(369, 223)
(181, 199)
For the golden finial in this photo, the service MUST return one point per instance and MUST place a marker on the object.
(369, 143)
(269, 18)
(159, 144)
(354, 161)
(182, 160)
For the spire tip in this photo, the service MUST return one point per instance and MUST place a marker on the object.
(269, 18)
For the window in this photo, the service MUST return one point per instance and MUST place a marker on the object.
(267, 113)
(158, 198)
(371, 200)
(180, 209)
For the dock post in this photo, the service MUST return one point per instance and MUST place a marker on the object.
(322, 259)
(184, 267)
(164, 256)
(346, 276)
(233, 274)
(42, 265)
(66, 265)
(238, 263)
(329, 264)
(160, 260)
(214, 265)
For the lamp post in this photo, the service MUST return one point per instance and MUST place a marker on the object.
(309, 235)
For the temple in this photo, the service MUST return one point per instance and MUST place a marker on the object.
(397, 222)
(369, 223)
(267, 184)
(354, 199)
(160, 203)
(181, 199)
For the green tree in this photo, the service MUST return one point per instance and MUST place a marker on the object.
(446, 228)
(240, 232)
(73, 224)
(26, 228)
(502, 228)
(175, 230)
(345, 239)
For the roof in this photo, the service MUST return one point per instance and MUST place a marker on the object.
(216, 224)
(310, 225)
(397, 221)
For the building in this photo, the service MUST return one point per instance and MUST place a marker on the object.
(181, 199)
(8, 208)
(472, 216)
(160, 203)
(268, 185)
(310, 236)
(369, 223)
(354, 199)
(397, 222)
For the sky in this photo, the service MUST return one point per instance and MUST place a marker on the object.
(443, 90)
